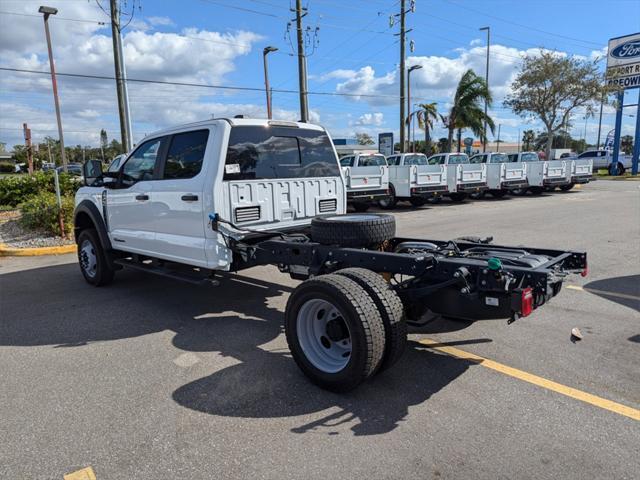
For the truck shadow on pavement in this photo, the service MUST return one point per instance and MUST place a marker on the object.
(240, 320)
(623, 290)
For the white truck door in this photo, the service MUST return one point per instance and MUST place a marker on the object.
(278, 177)
(129, 208)
(178, 199)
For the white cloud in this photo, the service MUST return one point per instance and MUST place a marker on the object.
(163, 21)
(370, 119)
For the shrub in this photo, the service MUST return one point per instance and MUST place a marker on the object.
(7, 167)
(16, 189)
(40, 212)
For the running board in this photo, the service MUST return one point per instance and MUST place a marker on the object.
(192, 277)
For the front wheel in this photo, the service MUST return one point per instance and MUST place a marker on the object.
(520, 192)
(566, 188)
(93, 261)
(334, 331)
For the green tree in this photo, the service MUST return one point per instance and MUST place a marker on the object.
(550, 88)
(467, 110)
(626, 144)
(427, 114)
(443, 144)
(364, 139)
(528, 137)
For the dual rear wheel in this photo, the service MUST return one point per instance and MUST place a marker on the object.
(344, 327)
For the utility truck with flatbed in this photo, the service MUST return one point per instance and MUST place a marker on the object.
(412, 179)
(203, 200)
(502, 176)
(463, 177)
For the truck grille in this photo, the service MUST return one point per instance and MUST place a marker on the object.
(329, 205)
(247, 214)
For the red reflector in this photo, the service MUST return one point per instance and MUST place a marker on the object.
(585, 271)
(526, 303)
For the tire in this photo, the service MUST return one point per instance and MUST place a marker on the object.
(92, 259)
(353, 230)
(390, 201)
(478, 195)
(361, 207)
(434, 200)
(328, 358)
(457, 197)
(519, 192)
(417, 201)
(536, 190)
(620, 169)
(391, 310)
(498, 193)
(566, 188)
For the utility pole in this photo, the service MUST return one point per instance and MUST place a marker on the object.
(402, 73)
(302, 63)
(27, 144)
(600, 123)
(498, 140)
(46, 11)
(486, 79)
(411, 69)
(121, 88)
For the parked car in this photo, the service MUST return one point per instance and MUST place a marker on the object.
(463, 177)
(502, 175)
(367, 179)
(74, 169)
(603, 159)
(47, 166)
(411, 178)
(543, 174)
(231, 194)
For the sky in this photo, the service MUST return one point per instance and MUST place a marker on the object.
(353, 51)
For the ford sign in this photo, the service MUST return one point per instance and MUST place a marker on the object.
(627, 50)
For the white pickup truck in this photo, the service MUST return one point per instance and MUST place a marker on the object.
(463, 178)
(603, 159)
(411, 178)
(367, 179)
(502, 176)
(196, 201)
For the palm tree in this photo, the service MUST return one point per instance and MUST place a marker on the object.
(467, 110)
(427, 114)
(528, 137)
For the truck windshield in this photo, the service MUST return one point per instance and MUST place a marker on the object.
(416, 160)
(529, 157)
(257, 152)
(455, 159)
(371, 161)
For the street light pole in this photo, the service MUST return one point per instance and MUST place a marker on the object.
(498, 140)
(46, 11)
(408, 121)
(302, 63)
(486, 78)
(267, 89)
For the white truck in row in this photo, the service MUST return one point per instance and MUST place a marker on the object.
(199, 201)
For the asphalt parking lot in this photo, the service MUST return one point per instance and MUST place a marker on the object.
(150, 378)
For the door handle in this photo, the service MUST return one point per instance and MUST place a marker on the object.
(189, 198)
(142, 197)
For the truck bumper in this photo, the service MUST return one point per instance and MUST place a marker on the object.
(472, 187)
(581, 179)
(367, 195)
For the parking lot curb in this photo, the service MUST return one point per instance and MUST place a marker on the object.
(7, 251)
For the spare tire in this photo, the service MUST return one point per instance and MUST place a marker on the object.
(353, 230)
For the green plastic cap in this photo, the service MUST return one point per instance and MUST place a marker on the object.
(494, 264)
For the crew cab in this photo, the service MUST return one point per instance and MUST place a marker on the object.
(198, 201)
(411, 178)
(367, 179)
(463, 177)
(603, 159)
(502, 175)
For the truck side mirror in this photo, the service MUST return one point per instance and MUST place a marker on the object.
(92, 170)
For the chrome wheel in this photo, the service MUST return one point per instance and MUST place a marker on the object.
(88, 259)
(324, 335)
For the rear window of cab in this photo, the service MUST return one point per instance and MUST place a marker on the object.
(257, 152)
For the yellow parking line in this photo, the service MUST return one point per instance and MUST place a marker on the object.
(84, 474)
(535, 380)
(604, 292)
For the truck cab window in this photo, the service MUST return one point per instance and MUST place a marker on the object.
(141, 164)
(185, 155)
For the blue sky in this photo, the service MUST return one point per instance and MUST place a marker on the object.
(219, 42)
